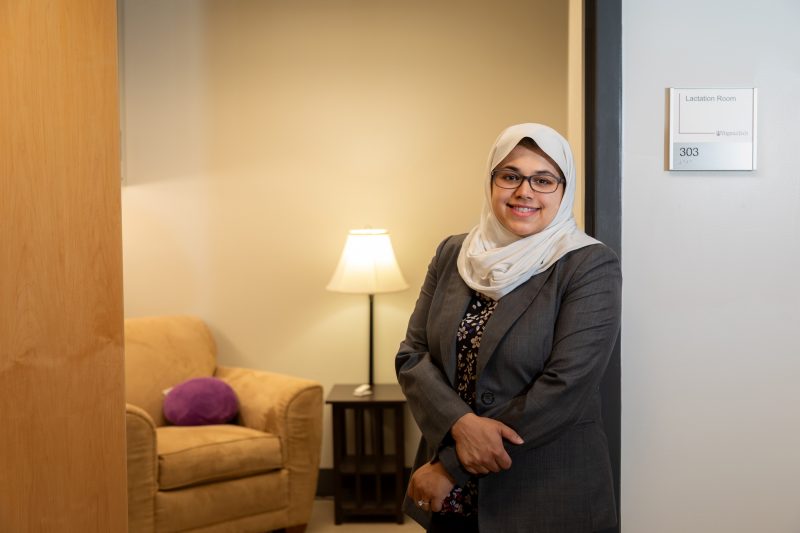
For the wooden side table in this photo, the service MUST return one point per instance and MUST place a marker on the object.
(368, 453)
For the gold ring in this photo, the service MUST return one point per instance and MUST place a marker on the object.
(421, 503)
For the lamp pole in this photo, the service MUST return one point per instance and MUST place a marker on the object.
(371, 340)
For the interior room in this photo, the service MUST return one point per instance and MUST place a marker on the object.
(179, 180)
(256, 135)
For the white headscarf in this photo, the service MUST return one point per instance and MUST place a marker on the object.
(493, 260)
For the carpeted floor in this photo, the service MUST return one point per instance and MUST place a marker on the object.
(322, 522)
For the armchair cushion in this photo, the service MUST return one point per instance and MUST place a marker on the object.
(200, 401)
(199, 454)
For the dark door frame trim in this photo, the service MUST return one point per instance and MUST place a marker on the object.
(603, 209)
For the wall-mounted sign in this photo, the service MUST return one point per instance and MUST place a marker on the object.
(712, 129)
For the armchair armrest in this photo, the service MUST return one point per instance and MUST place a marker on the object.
(290, 408)
(142, 469)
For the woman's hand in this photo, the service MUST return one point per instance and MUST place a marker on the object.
(479, 443)
(430, 484)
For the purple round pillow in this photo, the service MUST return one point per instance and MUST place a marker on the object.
(201, 401)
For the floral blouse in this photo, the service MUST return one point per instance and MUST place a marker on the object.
(464, 500)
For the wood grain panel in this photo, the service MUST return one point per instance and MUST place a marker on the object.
(62, 442)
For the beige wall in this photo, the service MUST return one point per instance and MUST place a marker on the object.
(257, 133)
(575, 101)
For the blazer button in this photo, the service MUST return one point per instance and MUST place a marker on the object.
(487, 397)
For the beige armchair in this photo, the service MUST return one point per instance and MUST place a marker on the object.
(257, 475)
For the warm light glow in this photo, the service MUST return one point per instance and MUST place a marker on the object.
(367, 265)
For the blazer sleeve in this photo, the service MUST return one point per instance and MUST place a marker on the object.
(585, 333)
(433, 402)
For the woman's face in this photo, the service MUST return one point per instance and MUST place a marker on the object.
(524, 211)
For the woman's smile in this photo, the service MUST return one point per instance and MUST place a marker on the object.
(523, 210)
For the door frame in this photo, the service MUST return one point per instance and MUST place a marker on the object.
(603, 177)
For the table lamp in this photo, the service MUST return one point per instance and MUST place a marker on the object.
(368, 266)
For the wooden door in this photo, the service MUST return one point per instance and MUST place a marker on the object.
(62, 432)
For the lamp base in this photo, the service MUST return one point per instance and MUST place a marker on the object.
(363, 390)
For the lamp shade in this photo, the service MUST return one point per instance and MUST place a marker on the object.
(367, 265)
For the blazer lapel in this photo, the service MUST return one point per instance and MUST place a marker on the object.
(454, 305)
(508, 310)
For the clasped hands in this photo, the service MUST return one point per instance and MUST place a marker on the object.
(480, 449)
(479, 443)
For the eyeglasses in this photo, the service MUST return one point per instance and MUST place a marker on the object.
(508, 179)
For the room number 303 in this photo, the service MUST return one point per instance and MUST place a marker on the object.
(689, 151)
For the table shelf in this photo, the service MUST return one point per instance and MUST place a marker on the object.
(386, 464)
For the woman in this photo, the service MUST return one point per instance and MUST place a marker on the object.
(504, 354)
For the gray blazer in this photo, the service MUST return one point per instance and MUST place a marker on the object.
(541, 359)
